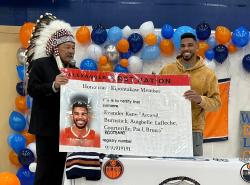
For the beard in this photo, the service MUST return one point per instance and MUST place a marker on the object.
(80, 126)
(187, 56)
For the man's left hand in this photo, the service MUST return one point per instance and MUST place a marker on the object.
(193, 96)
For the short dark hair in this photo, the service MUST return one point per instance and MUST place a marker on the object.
(188, 35)
(80, 104)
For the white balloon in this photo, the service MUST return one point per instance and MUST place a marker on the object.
(94, 52)
(135, 64)
(210, 64)
(78, 63)
(126, 31)
(32, 167)
(32, 147)
(146, 28)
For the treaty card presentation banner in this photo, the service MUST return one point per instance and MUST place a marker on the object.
(126, 114)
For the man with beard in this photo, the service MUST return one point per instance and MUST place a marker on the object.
(79, 134)
(204, 93)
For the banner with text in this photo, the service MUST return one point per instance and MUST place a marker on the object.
(126, 114)
(245, 136)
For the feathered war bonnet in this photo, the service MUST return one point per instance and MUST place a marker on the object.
(48, 33)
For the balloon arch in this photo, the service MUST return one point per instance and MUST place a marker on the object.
(118, 50)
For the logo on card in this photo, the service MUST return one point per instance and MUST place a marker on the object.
(245, 172)
(113, 169)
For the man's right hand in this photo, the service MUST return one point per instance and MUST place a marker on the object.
(61, 79)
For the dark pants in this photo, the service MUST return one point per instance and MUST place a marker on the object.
(50, 162)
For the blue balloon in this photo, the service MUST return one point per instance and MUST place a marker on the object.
(88, 64)
(25, 157)
(220, 53)
(246, 62)
(20, 88)
(179, 32)
(17, 121)
(209, 54)
(167, 31)
(17, 142)
(203, 31)
(240, 37)
(135, 42)
(158, 40)
(28, 101)
(114, 34)
(10, 138)
(120, 69)
(25, 176)
(150, 53)
(212, 42)
(126, 55)
(99, 34)
(20, 72)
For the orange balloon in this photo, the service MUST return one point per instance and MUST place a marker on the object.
(124, 62)
(108, 67)
(30, 138)
(83, 35)
(202, 48)
(231, 48)
(122, 46)
(222, 34)
(7, 178)
(25, 33)
(21, 103)
(167, 47)
(13, 157)
(103, 60)
(151, 39)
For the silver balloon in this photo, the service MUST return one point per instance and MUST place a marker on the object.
(112, 53)
(20, 55)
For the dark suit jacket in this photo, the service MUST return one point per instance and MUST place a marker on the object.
(45, 110)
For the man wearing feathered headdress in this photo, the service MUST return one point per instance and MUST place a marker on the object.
(52, 47)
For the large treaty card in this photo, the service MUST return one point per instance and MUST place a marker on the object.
(126, 114)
